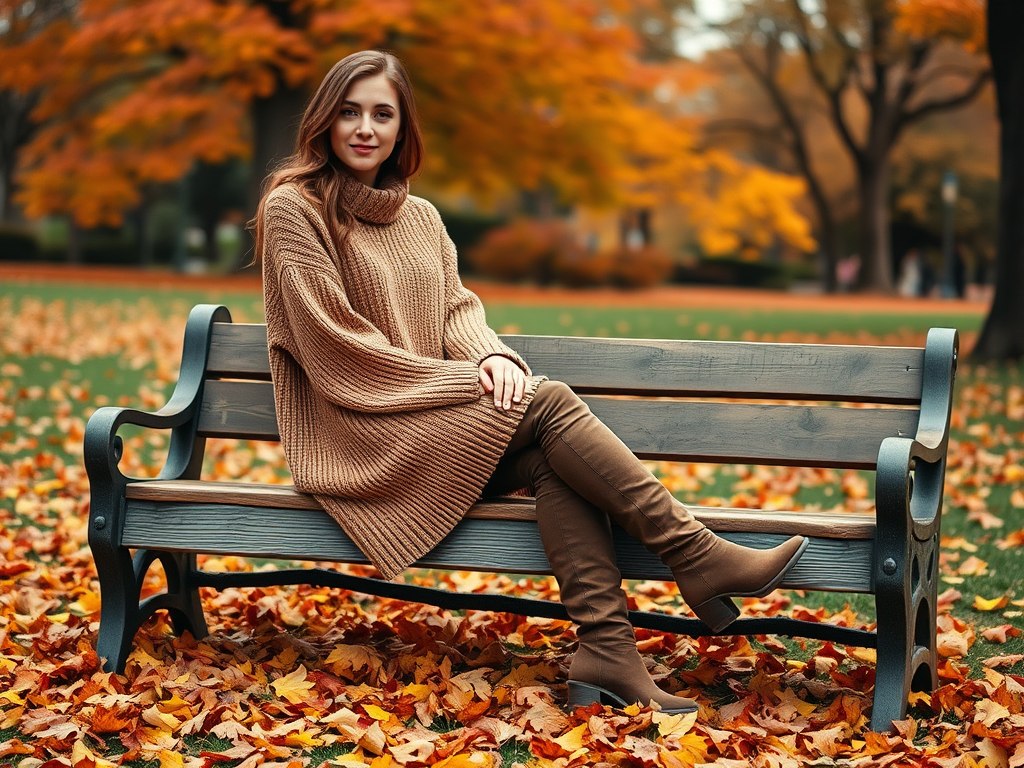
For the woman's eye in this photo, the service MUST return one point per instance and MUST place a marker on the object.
(384, 116)
(349, 113)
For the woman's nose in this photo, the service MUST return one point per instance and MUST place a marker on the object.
(365, 127)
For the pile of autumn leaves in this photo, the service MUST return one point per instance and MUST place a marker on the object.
(304, 676)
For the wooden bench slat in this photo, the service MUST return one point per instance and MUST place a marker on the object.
(507, 546)
(667, 367)
(284, 497)
(804, 435)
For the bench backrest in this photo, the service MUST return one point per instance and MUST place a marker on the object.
(734, 402)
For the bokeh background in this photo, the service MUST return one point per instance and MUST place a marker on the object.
(829, 145)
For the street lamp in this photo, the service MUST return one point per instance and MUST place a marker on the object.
(949, 194)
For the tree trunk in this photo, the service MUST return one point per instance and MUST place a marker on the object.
(830, 250)
(876, 260)
(275, 124)
(74, 245)
(210, 249)
(1002, 336)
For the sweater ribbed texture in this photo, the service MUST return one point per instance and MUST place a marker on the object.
(374, 357)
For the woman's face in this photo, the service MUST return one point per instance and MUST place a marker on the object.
(364, 133)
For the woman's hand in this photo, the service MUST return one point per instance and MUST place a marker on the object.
(504, 378)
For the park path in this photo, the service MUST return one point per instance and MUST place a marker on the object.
(671, 296)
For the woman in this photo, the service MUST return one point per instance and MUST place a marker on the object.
(398, 406)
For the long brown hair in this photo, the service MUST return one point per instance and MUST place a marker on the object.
(314, 167)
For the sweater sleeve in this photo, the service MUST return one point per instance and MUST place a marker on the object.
(348, 360)
(466, 333)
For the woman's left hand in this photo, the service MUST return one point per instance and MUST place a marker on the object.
(505, 379)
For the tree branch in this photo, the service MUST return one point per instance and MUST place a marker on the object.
(832, 93)
(938, 105)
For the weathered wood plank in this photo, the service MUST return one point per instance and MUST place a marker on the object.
(748, 369)
(510, 546)
(667, 367)
(802, 435)
(239, 350)
(284, 497)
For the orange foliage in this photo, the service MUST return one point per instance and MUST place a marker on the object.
(961, 20)
(134, 93)
(512, 95)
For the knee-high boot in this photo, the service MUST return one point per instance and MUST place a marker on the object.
(606, 666)
(709, 570)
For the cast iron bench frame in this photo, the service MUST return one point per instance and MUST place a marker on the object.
(885, 409)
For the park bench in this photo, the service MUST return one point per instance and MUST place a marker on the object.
(883, 409)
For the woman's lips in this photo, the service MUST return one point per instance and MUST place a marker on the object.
(362, 149)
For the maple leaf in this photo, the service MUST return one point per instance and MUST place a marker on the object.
(293, 687)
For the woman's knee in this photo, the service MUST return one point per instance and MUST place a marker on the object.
(554, 409)
(556, 395)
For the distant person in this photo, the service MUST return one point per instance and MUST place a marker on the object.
(909, 283)
(847, 272)
(398, 407)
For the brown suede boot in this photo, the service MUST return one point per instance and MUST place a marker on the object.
(606, 668)
(592, 460)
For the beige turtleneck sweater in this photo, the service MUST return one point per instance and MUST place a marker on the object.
(375, 369)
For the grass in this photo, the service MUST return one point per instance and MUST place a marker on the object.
(106, 378)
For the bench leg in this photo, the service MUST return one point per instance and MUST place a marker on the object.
(119, 608)
(121, 613)
(907, 657)
(181, 600)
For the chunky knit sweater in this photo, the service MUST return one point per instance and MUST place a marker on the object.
(374, 354)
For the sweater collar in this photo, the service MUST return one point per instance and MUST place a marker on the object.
(375, 205)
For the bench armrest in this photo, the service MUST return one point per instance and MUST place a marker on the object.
(911, 471)
(103, 446)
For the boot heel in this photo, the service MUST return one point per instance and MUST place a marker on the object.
(585, 694)
(718, 613)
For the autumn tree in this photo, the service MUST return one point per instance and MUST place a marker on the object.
(19, 23)
(1002, 336)
(874, 68)
(526, 95)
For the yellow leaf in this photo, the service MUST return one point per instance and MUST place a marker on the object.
(981, 604)
(418, 691)
(43, 488)
(82, 754)
(161, 720)
(692, 749)
(87, 603)
(572, 740)
(376, 712)
(293, 687)
(676, 726)
(170, 759)
(12, 696)
(922, 697)
(302, 739)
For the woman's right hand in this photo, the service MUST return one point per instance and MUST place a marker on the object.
(505, 379)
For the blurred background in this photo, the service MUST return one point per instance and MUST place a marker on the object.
(813, 145)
